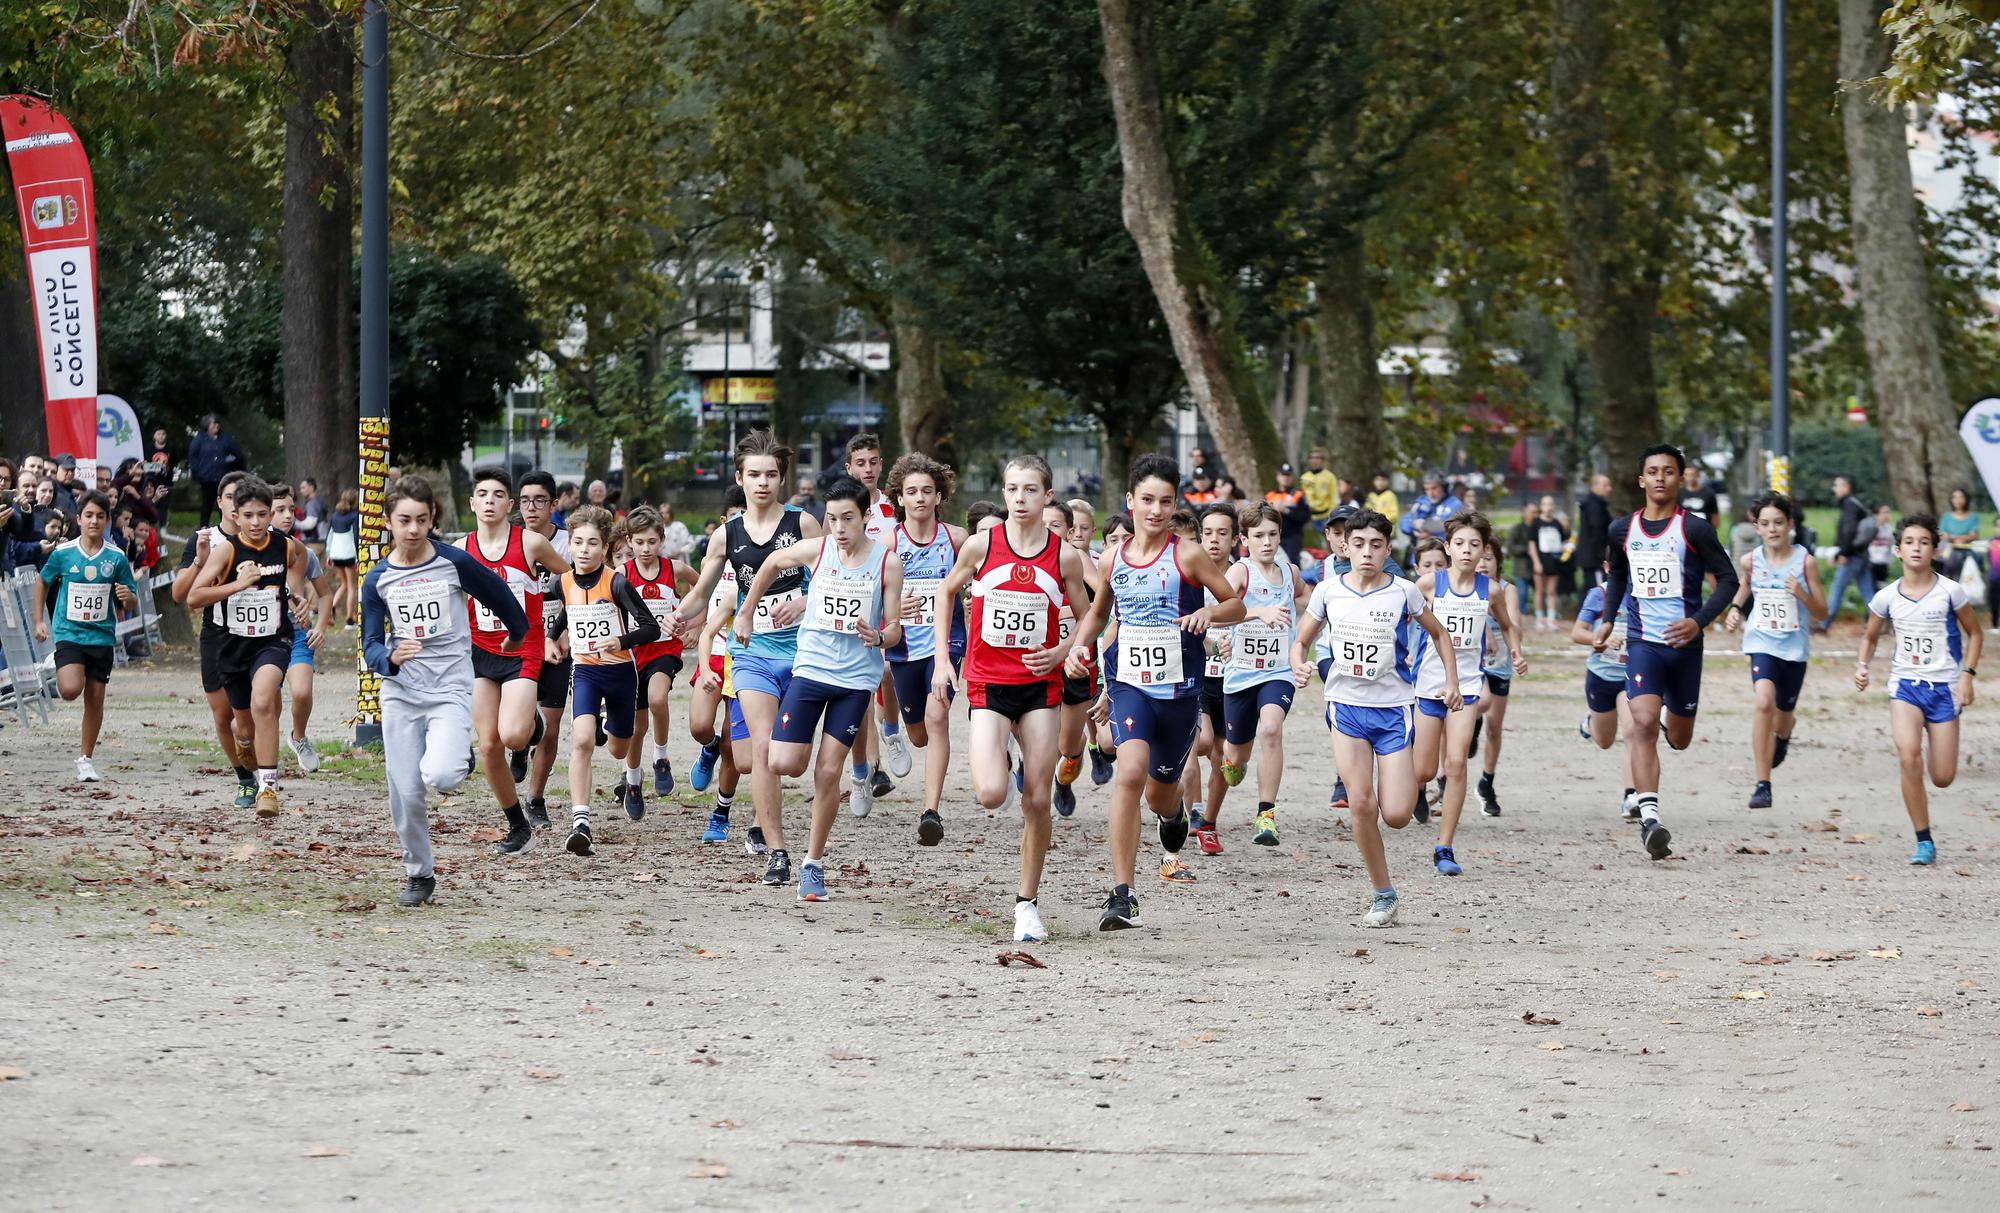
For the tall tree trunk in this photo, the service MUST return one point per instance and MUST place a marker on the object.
(317, 334)
(1193, 295)
(923, 409)
(1615, 284)
(1291, 388)
(23, 423)
(1357, 439)
(1925, 458)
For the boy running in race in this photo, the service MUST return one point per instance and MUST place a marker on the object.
(307, 636)
(1020, 574)
(537, 504)
(839, 662)
(416, 635)
(927, 549)
(659, 663)
(1080, 695)
(864, 464)
(1938, 643)
(1464, 600)
(1659, 557)
(1258, 683)
(761, 666)
(712, 718)
(1337, 563)
(1153, 585)
(233, 729)
(248, 578)
(506, 680)
(1604, 688)
(1428, 558)
(86, 576)
(1499, 681)
(600, 622)
(1781, 588)
(1371, 694)
(1215, 530)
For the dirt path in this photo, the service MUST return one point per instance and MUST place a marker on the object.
(207, 1010)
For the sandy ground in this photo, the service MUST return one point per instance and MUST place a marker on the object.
(199, 1009)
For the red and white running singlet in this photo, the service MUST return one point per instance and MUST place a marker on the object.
(512, 567)
(662, 599)
(1015, 600)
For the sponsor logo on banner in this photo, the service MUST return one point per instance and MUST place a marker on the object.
(1980, 431)
(66, 312)
(53, 210)
(40, 139)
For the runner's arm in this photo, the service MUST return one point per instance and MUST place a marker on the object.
(971, 554)
(891, 628)
(1228, 608)
(1815, 597)
(374, 627)
(1092, 621)
(784, 560)
(645, 628)
(211, 588)
(1510, 624)
(712, 564)
(485, 585)
(541, 553)
(1701, 537)
(1618, 571)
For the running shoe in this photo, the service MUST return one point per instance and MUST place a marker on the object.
(1013, 797)
(1174, 831)
(1267, 830)
(1472, 750)
(704, 766)
(302, 749)
(1489, 803)
(579, 839)
(778, 870)
(1066, 772)
(603, 738)
(86, 772)
(1339, 800)
(1423, 810)
(1121, 910)
(1582, 730)
(517, 765)
(1779, 747)
(246, 795)
(1655, 837)
(878, 783)
(634, 798)
(663, 777)
(1101, 767)
(1925, 855)
(1028, 926)
(896, 748)
(754, 841)
(1209, 841)
(1196, 821)
(1760, 796)
(1173, 871)
(861, 795)
(1382, 911)
(267, 803)
(1446, 862)
(930, 829)
(1232, 774)
(1064, 797)
(538, 812)
(717, 829)
(1631, 808)
(418, 891)
(519, 841)
(812, 882)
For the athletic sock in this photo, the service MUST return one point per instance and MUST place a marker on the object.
(517, 818)
(1018, 899)
(890, 726)
(1486, 781)
(579, 814)
(245, 775)
(1267, 806)
(1923, 835)
(1631, 792)
(659, 751)
(267, 779)
(1198, 809)
(724, 801)
(861, 769)
(632, 776)
(1649, 806)
(713, 747)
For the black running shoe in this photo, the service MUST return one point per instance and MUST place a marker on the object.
(1423, 810)
(519, 841)
(930, 829)
(579, 839)
(418, 892)
(1101, 767)
(1174, 831)
(779, 870)
(754, 841)
(517, 765)
(1779, 745)
(1489, 803)
(538, 812)
(1478, 726)
(635, 801)
(1065, 800)
(879, 785)
(1121, 910)
(603, 738)
(1655, 837)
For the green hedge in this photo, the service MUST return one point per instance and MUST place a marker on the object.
(1823, 450)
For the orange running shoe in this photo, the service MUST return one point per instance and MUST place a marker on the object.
(1068, 769)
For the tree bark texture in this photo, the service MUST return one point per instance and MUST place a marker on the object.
(1615, 284)
(23, 422)
(922, 406)
(1913, 407)
(1350, 378)
(1291, 392)
(322, 411)
(1192, 293)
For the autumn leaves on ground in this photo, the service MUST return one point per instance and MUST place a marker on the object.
(196, 1007)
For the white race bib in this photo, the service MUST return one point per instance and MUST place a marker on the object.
(1219, 638)
(1921, 647)
(1614, 648)
(1149, 656)
(551, 607)
(1015, 619)
(1258, 647)
(924, 589)
(1362, 649)
(252, 612)
(839, 606)
(88, 601)
(1655, 574)
(593, 628)
(486, 621)
(419, 610)
(1548, 540)
(1463, 619)
(760, 619)
(1774, 611)
(663, 613)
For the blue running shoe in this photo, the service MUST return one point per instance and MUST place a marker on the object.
(635, 801)
(1760, 796)
(1447, 864)
(1064, 798)
(1196, 822)
(1101, 767)
(704, 767)
(1925, 855)
(1020, 770)
(812, 883)
(718, 828)
(1339, 800)
(663, 777)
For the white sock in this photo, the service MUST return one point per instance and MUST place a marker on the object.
(659, 751)
(1649, 806)
(1200, 810)
(267, 779)
(579, 814)
(632, 776)
(815, 863)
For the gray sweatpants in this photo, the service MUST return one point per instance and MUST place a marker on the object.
(423, 742)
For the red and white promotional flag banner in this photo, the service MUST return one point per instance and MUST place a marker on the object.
(59, 233)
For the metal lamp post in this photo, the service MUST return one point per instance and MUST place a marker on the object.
(727, 277)
(1780, 470)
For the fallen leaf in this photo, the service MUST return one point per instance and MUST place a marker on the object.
(494, 834)
(1930, 1012)
(709, 1170)
(325, 1152)
(1888, 954)
(1675, 1171)
(1008, 958)
(1964, 1106)
(1358, 952)
(242, 853)
(353, 904)
(1822, 827)
(1553, 1046)
(845, 1055)
(1750, 995)
(1539, 1021)
(1455, 1177)
(163, 928)
(723, 1124)
(644, 877)
(565, 953)
(1666, 974)
(545, 1074)
(1766, 959)
(9, 1073)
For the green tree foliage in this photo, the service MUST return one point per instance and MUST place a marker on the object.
(462, 336)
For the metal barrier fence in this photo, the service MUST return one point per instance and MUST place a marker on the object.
(27, 665)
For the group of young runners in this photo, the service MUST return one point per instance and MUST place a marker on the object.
(1171, 637)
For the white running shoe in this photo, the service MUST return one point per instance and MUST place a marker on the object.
(896, 748)
(308, 756)
(860, 795)
(1028, 926)
(1013, 793)
(85, 772)
(1382, 912)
